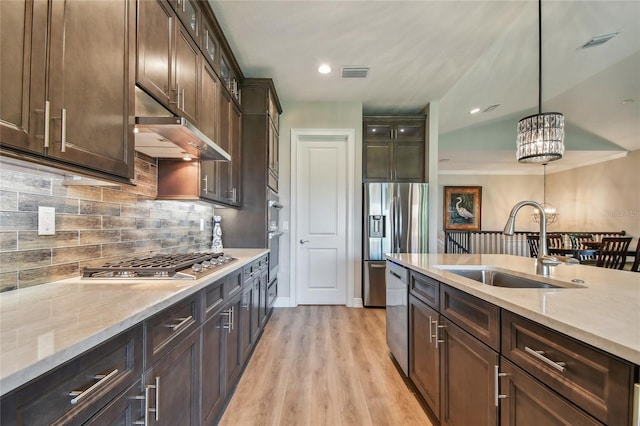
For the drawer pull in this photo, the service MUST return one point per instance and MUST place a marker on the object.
(560, 366)
(101, 380)
(140, 398)
(183, 322)
(496, 384)
(431, 336)
(147, 403)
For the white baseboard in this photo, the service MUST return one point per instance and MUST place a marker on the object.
(357, 303)
(283, 302)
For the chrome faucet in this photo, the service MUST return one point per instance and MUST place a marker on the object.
(544, 260)
(509, 228)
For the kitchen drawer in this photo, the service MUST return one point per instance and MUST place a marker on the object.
(233, 284)
(595, 381)
(213, 297)
(99, 375)
(167, 328)
(528, 401)
(426, 289)
(480, 318)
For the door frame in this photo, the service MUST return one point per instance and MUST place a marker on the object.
(335, 135)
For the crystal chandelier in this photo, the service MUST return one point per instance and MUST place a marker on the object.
(540, 136)
(550, 211)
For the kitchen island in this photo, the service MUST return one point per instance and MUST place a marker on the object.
(483, 354)
(45, 326)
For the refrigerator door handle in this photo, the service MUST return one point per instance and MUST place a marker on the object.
(400, 226)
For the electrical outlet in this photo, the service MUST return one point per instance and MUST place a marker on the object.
(46, 220)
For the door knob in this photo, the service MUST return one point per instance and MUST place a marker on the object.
(304, 241)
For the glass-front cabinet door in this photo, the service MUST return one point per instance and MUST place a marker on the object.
(210, 46)
(189, 13)
(378, 131)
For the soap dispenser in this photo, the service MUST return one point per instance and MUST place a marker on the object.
(216, 244)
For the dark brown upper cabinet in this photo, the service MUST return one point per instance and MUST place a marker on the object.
(67, 89)
(394, 149)
(168, 62)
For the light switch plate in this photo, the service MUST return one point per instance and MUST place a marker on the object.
(46, 220)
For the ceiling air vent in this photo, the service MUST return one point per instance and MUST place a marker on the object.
(354, 72)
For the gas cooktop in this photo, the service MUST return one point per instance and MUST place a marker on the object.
(161, 266)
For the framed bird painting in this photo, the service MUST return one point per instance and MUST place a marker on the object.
(462, 208)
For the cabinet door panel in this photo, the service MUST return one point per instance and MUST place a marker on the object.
(409, 161)
(187, 73)
(178, 384)
(213, 337)
(424, 366)
(22, 72)
(410, 131)
(467, 380)
(529, 403)
(378, 131)
(377, 161)
(90, 83)
(155, 35)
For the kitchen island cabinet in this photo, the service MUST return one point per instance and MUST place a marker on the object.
(497, 367)
(64, 70)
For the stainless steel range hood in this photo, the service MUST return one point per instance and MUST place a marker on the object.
(160, 134)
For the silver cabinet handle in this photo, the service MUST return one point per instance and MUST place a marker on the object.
(437, 335)
(143, 420)
(147, 404)
(378, 266)
(183, 322)
(229, 314)
(233, 312)
(430, 329)
(182, 99)
(496, 382)
(206, 41)
(206, 184)
(47, 118)
(63, 131)
(560, 366)
(102, 379)
(304, 241)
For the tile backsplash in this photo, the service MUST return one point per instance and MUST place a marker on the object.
(94, 224)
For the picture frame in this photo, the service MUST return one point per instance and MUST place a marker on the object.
(462, 208)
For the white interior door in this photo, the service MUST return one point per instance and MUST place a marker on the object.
(321, 224)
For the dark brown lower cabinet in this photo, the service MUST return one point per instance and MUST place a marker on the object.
(424, 359)
(529, 403)
(233, 350)
(125, 410)
(172, 385)
(213, 339)
(467, 378)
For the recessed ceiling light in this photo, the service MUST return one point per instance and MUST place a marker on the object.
(324, 69)
(474, 111)
(598, 40)
(627, 101)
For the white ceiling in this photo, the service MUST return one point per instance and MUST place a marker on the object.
(463, 54)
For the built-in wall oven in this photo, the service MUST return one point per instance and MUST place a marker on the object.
(273, 232)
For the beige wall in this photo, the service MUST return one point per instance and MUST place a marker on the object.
(600, 197)
(499, 194)
(316, 115)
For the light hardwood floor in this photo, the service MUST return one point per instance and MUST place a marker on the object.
(323, 365)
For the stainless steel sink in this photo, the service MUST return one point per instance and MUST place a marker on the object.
(498, 278)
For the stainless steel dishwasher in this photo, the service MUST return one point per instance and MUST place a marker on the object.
(398, 314)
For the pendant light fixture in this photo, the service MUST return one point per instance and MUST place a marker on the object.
(540, 136)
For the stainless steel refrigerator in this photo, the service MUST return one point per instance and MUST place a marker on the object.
(395, 221)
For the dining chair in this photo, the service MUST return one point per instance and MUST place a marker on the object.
(577, 240)
(612, 253)
(555, 240)
(636, 263)
(534, 242)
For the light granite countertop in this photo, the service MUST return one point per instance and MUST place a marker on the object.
(44, 326)
(605, 313)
